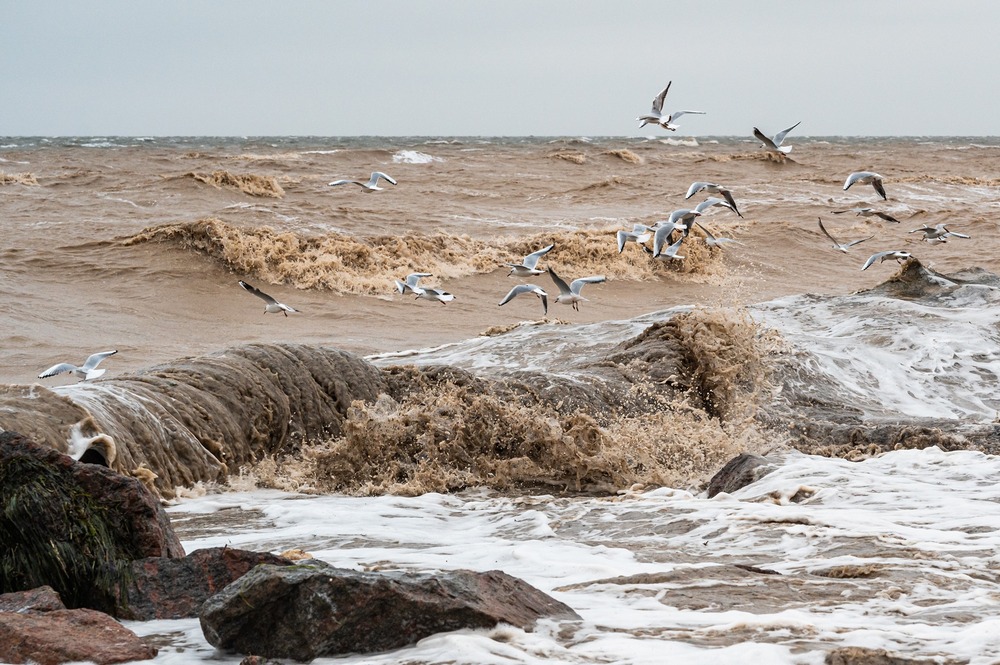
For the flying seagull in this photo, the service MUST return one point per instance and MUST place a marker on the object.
(680, 220)
(410, 285)
(272, 306)
(86, 372)
(713, 188)
(527, 288)
(869, 212)
(897, 254)
(773, 144)
(640, 233)
(367, 187)
(842, 246)
(666, 253)
(937, 233)
(529, 266)
(570, 295)
(656, 116)
(713, 241)
(866, 178)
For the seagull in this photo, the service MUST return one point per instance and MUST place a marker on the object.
(272, 306)
(668, 253)
(656, 116)
(774, 144)
(866, 178)
(435, 294)
(713, 241)
(367, 187)
(640, 233)
(869, 212)
(713, 188)
(529, 266)
(938, 233)
(680, 220)
(86, 372)
(842, 246)
(410, 285)
(570, 295)
(527, 288)
(897, 254)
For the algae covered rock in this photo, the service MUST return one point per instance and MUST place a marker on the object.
(70, 525)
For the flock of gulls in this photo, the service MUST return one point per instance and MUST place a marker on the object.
(667, 237)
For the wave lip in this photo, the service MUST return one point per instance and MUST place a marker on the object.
(414, 157)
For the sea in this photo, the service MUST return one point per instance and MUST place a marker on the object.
(570, 446)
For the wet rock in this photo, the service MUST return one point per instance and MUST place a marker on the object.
(739, 472)
(864, 656)
(163, 588)
(62, 636)
(310, 610)
(69, 525)
(42, 599)
(259, 660)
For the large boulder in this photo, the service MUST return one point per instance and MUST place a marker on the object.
(163, 588)
(70, 525)
(310, 610)
(63, 636)
(739, 472)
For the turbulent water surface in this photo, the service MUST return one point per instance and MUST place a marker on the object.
(376, 430)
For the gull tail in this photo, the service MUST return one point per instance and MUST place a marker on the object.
(785, 149)
(94, 373)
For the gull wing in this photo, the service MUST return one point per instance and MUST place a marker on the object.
(527, 288)
(658, 100)
(855, 242)
(677, 114)
(877, 184)
(375, 178)
(766, 140)
(94, 359)
(780, 136)
(414, 277)
(695, 188)
(731, 201)
(887, 217)
(61, 368)
(560, 284)
(661, 236)
(877, 257)
(827, 233)
(347, 182)
(257, 292)
(622, 238)
(578, 284)
(531, 260)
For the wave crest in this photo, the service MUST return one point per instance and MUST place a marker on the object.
(248, 183)
(368, 266)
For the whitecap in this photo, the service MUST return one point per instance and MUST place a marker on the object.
(414, 157)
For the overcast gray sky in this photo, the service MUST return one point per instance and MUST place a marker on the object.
(511, 67)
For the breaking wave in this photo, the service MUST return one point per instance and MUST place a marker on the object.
(347, 264)
(248, 183)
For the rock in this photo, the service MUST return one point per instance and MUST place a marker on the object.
(739, 472)
(865, 656)
(259, 660)
(162, 588)
(69, 525)
(63, 636)
(313, 609)
(42, 599)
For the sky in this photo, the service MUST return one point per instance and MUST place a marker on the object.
(497, 68)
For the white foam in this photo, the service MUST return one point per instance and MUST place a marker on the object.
(413, 157)
(926, 519)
